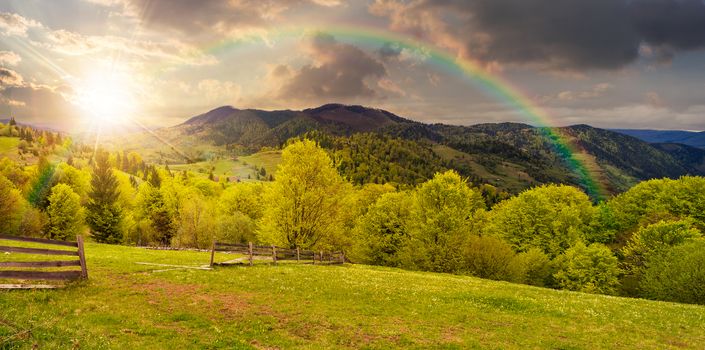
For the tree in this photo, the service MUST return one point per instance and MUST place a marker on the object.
(11, 206)
(442, 212)
(304, 201)
(382, 231)
(65, 213)
(590, 269)
(245, 198)
(551, 218)
(153, 210)
(655, 239)
(678, 274)
(104, 215)
(196, 221)
(658, 198)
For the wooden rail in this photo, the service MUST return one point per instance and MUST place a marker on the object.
(276, 253)
(66, 275)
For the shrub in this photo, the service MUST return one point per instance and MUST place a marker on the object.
(590, 269)
(677, 274)
(535, 266)
(492, 258)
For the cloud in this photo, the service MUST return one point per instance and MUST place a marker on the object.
(9, 77)
(12, 24)
(671, 25)
(9, 58)
(596, 91)
(555, 35)
(40, 104)
(207, 18)
(339, 71)
(218, 92)
(169, 50)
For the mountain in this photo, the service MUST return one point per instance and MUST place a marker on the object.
(690, 138)
(373, 145)
(692, 158)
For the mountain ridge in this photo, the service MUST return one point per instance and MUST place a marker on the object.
(374, 145)
(689, 138)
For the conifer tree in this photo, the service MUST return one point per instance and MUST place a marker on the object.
(104, 215)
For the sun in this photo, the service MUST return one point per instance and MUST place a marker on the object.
(106, 96)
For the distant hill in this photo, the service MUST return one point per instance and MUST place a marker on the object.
(373, 145)
(690, 138)
(692, 158)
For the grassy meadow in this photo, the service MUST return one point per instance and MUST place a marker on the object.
(241, 167)
(125, 305)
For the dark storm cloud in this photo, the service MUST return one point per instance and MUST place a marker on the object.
(678, 25)
(339, 71)
(565, 34)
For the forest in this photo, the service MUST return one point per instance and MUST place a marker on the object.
(646, 242)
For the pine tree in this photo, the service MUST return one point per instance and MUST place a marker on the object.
(104, 215)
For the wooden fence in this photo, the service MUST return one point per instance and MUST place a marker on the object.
(276, 254)
(61, 275)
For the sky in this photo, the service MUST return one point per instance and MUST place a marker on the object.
(72, 64)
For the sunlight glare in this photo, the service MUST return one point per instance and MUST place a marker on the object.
(106, 97)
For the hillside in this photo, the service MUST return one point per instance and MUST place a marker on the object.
(690, 138)
(126, 305)
(373, 145)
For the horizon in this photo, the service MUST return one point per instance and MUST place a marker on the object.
(97, 62)
(186, 119)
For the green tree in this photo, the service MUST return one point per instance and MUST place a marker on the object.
(104, 215)
(551, 218)
(659, 198)
(303, 204)
(154, 211)
(677, 274)
(442, 217)
(12, 206)
(382, 231)
(244, 197)
(65, 213)
(590, 269)
(655, 239)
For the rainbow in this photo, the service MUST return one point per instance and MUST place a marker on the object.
(491, 83)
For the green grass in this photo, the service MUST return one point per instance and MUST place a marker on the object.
(241, 167)
(129, 306)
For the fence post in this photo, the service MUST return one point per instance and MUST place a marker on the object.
(82, 256)
(342, 257)
(250, 250)
(212, 253)
(274, 254)
(314, 258)
(320, 257)
(297, 254)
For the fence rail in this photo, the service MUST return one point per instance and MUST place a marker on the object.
(276, 253)
(66, 275)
